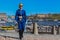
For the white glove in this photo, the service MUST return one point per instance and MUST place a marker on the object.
(20, 18)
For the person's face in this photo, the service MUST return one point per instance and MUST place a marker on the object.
(20, 6)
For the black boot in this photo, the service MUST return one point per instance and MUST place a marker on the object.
(20, 38)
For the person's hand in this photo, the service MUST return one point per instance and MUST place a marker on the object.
(20, 18)
(16, 24)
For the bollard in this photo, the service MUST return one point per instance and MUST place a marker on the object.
(54, 30)
(35, 29)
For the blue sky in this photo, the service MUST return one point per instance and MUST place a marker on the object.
(31, 6)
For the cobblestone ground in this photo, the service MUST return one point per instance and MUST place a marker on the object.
(28, 36)
(35, 37)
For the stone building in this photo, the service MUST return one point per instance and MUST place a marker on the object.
(3, 19)
(3, 16)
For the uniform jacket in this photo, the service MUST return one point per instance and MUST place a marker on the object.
(21, 24)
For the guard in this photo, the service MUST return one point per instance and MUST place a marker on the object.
(20, 17)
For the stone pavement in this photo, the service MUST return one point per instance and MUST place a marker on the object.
(27, 36)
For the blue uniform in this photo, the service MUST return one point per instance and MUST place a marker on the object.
(21, 24)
